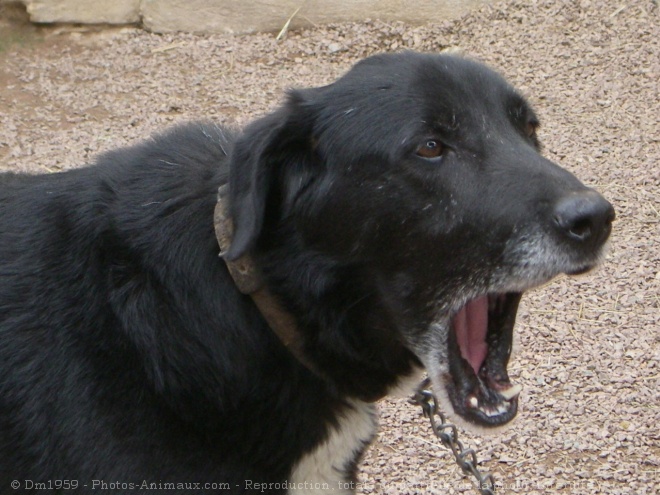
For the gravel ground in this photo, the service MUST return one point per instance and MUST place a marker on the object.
(589, 355)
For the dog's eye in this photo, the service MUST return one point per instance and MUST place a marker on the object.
(430, 149)
(530, 129)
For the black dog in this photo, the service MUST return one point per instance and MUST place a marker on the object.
(395, 218)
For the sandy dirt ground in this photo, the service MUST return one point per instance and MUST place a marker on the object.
(589, 353)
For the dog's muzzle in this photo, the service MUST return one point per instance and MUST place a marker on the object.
(481, 334)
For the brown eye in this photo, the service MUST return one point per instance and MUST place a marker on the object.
(530, 129)
(430, 149)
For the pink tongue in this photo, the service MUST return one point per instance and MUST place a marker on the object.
(471, 325)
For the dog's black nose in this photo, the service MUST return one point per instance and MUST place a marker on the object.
(584, 217)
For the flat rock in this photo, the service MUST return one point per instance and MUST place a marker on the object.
(239, 16)
(84, 11)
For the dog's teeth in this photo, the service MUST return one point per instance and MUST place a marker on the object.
(473, 402)
(500, 409)
(512, 392)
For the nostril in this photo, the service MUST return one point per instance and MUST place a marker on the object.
(577, 228)
(581, 229)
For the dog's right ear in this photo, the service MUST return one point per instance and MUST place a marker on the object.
(265, 146)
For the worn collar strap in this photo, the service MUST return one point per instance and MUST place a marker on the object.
(248, 280)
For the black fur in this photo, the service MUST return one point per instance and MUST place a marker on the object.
(126, 352)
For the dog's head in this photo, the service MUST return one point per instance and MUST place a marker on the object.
(418, 179)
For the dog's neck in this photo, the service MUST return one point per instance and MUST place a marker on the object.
(249, 281)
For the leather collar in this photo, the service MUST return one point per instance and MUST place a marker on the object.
(249, 281)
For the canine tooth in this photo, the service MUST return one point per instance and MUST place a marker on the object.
(511, 392)
(473, 402)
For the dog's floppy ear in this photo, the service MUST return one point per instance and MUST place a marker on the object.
(262, 150)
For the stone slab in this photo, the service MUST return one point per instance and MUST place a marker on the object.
(236, 16)
(241, 16)
(84, 11)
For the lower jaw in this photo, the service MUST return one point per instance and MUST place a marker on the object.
(466, 421)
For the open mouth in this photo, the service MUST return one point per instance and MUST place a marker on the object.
(479, 348)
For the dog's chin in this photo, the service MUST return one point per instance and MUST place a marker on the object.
(446, 405)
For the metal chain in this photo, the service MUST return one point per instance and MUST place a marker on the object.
(448, 434)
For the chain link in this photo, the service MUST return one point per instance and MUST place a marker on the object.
(466, 458)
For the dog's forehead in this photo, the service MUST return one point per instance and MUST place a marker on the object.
(415, 74)
(459, 82)
(392, 98)
(453, 90)
(417, 86)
